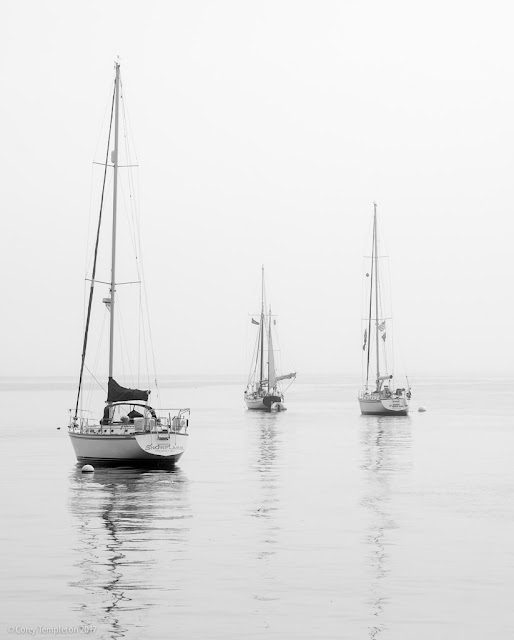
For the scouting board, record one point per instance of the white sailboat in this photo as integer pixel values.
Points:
(130, 431)
(263, 391)
(380, 396)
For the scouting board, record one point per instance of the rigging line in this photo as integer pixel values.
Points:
(104, 117)
(364, 318)
(133, 209)
(377, 338)
(255, 356)
(257, 351)
(243, 367)
(118, 284)
(278, 349)
(148, 324)
(141, 271)
(121, 349)
(372, 274)
(261, 342)
(95, 379)
(263, 323)
(120, 166)
(107, 188)
(130, 224)
(99, 350)
(88, 236)
(84, 347)
(379, 313)
(151, 342)
(135, 228)
(385, 304)
(389, 332)
(390, 309)
(132, 234)
(125, 345)
(133, 225)
(147, 363)
(139, 340)
(127, 118)
(252, 374)
(145, 351)
(101, 130)
(129, 137)
(146, 319)
(149, 329)
(137, 231)
(287, 388)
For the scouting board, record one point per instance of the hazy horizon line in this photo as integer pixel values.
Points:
(306, 374)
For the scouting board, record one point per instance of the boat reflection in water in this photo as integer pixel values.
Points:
(132, 531)
(386, 443)
(266, 443)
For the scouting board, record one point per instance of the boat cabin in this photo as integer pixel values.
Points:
(127, 418)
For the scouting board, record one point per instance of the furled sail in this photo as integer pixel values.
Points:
(117, 393)
(272, 376)
(286, 376)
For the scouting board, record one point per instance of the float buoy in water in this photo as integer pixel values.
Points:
(421, 409)
(87, 468)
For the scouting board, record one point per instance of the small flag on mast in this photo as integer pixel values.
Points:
(254, 321)
(382, 325)
(384, 336)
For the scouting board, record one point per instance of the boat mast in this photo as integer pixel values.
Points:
(114, 208)
(93, 273)
(270, 347)
(262, 327)
(370, 311)
(376, 291)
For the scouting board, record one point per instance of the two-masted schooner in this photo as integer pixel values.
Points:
(128, 430)
(263, 391)
(380, 396)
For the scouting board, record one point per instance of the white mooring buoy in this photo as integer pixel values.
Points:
(421, 409)
(87, 468)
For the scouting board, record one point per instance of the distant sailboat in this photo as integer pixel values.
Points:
(130, 431)
(263, 391)
(379, 397)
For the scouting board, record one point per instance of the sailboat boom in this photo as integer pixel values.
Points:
(287, 376)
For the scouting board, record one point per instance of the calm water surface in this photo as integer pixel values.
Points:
(315, 523)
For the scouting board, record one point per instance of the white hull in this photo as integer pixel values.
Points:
(256, 404)
(384, 406)
(262, 403)
(129, 449)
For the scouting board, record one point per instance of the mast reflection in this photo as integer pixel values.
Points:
(385, 443)
(266, 442)
(130, 523)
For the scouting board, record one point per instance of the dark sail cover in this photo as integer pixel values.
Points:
(269, 400)
(117, 393)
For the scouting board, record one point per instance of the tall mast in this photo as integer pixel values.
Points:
(376, 290)
(370, 310)
(114, 207)
(262, 326)
(269, 347)
(93, 273)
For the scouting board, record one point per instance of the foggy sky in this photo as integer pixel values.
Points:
(264, 133)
